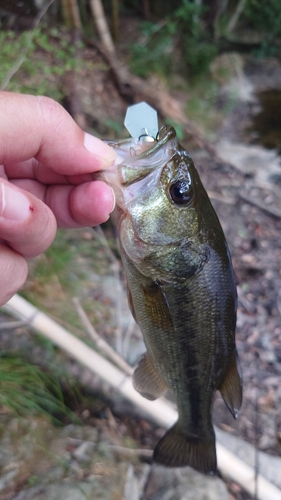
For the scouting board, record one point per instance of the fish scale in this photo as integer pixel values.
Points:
(181, 291)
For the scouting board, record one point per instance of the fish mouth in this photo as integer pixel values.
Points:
(148, 159)
(138, 163)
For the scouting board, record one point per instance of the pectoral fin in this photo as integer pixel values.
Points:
(131, 305)
(146, 379)
(157, 308)
(231, 386)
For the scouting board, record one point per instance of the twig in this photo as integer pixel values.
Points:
(14, 69)
(116, 271)
(121, 449)
(102, 238)
(11, 325)
(131, 451)
(161, 411)
(220, 197)
(101, 343)
(234, 19)
(262, 206)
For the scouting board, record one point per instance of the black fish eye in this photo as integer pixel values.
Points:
(181, 192)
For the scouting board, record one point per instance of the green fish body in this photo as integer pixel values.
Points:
(181, 291)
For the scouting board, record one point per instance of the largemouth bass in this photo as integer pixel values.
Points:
(181, 292)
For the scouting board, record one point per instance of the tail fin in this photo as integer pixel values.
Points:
(177, 450)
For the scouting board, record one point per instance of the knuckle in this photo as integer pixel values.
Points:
(51, 111)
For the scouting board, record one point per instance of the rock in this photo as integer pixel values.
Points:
(134, 486)
(74, 491)
(41, 462)
(183, 484)
(269, 466)
(256, 161)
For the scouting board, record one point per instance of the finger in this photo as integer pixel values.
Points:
(87, 204)
(33, 169)
(26, 223)
(13, 272)
(39, 127)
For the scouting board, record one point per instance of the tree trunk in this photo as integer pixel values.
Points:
(146, 10)
(102, 26)
(71, 14)
(115, 18)
(234, 19)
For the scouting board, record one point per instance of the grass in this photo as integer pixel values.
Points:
(45, 56)
(26, 389)
(65, 270)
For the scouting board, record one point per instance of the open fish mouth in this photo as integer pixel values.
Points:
(139, 164)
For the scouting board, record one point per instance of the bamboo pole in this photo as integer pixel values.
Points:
(160, 411)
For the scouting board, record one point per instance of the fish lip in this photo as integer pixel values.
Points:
(131, 166)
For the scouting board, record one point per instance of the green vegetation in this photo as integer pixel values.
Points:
(178, 43)
(25, 389)
(43, 57)
(265, 17)
(191, 34)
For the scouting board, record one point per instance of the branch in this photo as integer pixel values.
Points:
(234, 19)
(101, 24)
(101, 343)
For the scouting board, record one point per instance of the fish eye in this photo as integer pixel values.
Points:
(181, 192)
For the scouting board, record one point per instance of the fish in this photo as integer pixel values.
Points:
(181, 291)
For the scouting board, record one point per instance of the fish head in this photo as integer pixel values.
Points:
(157, 191)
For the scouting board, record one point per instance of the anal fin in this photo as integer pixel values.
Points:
(231, 386)
(147, 380)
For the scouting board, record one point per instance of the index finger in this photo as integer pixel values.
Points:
(37, 126)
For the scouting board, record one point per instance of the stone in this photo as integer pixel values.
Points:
(183, 484)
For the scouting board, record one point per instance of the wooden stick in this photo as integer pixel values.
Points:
(160, 411)
(11, 325)
(116, 267)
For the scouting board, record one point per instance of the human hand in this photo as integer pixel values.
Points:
(46, 166)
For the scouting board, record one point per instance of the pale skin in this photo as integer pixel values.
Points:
(46, 181)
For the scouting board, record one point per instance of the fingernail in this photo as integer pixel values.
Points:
(113, 200)
(13, 204)
(118, 160)
(104, 153)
